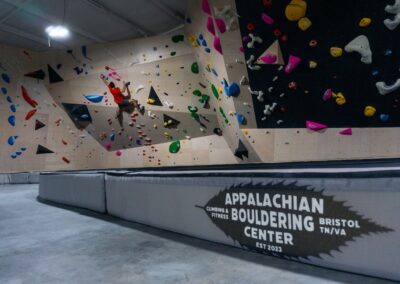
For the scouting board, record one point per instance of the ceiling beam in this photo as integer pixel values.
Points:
(116, 15)
(29, 36)
(50, 18)
(170, 12)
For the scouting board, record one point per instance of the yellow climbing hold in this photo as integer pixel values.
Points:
(245, 131)
(365, 22)
(296, 10)
(312, 64)
(340, 99)
(369, 111)
(336, 51)
(304, 24)
(150, 101)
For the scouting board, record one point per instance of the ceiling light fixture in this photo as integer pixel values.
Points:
(58, 32)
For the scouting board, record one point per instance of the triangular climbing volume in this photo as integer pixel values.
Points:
(241, 151)
(273, 55)
(39, 124)
(153, 98)
(170, 122)
(43, 150)
(53, 75)
(39, 74)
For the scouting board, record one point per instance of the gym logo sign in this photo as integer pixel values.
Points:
(287, 220)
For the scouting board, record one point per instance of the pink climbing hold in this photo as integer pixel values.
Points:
(315, 126)
(267, 19)
(118, 153)
(217, 44)
(221, 25)
(241, 49)
(293, 62)
(108, 146)
(210, 25)
(347, 131)
(269, 58)
(246, 38)
(205, 6)
(327, 95)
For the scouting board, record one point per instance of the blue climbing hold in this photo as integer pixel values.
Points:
(9, 99)
(84, 116)
(4, 91)
(388, 52)
(11, 120)
(11, 140)
(138, 142)
(384, 117)
(112, 136)
(13, 156)
(18, 153)
(13, 108)
(204, 43)
(94, 98)
(233, 90)
(214, 72)
(5, 78)
(375, 72)
(201, 37)
(241, 119)
(23, 149)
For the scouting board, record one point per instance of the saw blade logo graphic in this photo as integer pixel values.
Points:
(287, 220)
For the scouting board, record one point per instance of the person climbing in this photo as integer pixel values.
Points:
(123, 101)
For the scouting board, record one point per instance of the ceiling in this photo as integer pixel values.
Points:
(22, 22)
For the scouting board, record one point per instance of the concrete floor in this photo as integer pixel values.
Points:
(40, 243)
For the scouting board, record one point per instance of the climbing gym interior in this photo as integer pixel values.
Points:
(141, 137)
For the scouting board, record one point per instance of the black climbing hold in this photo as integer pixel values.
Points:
(170, 122)
(39, 124)
(43, 150)
(153, 96)
(218, 131)
(241, 151)
(39, 74)
(53, 75)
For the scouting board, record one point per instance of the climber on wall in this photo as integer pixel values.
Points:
(123, 101)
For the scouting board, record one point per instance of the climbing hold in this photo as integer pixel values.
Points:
(27, 98)
(394, 9)
(205, 7)
(385, 89)
(315, 126)
(178, 38)
(254, 39)
(174, 147)
(384, 117)
(94, 98)
(313, 43)
(217, 44)
(364, 22)
(118, 153)
(39, 74)
(296, 10)
(195, 68)
(220, 23)
(294, 61)
(13, 108)
(210, 25)
(39, 124)
(4, 91)
(369, 111)
(197, 93)
(267, 19)
(139, 88)
(217, 131)
(336, 51)
(312, 64)
(170, 122)
(233, 90)
(5, 78)
(273, 52)
(340, 99)
(153, 98)
(215, 91)
(304, 24)
(11, 120)
(241, 119)
(11, 140)
(66, 160)
(347, 131)
(327, 95)
(43, 150)
(30, 114)
(53, 75)
(360, 45)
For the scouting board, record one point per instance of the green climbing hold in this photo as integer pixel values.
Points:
(195, 115)
(215, 91)
(174, 147)
(197, 93)
(178, 38)
(223, 115)
(195, 68)
(204, 99)
(173, 53)
(193, 109)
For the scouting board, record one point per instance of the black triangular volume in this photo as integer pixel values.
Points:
(39, 124)
(78, 112)
(39, 74)
(153, 96)
(170, 122)
(241, 151)
(53, 75)
(43, 150)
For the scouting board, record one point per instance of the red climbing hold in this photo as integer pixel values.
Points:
(30, 114)
(27, 98)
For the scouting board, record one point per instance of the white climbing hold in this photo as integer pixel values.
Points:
(169, 104)
(392, 24)
(259, 94)
(250, 64)
(139, 88)
(254, 39)
(361, 45)
(269, 109)
(385, 89)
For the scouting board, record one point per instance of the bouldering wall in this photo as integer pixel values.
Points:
(65, 117)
